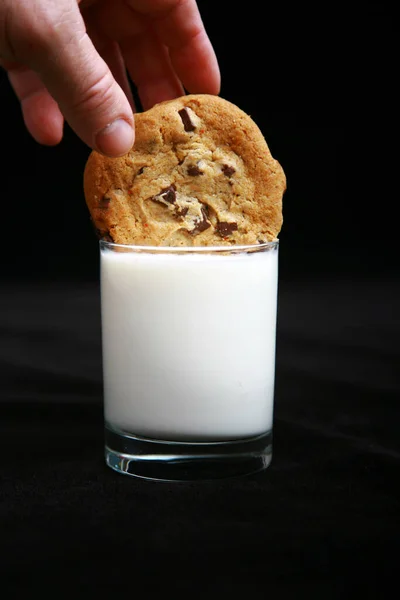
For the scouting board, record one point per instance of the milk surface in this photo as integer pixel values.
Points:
(189, 343)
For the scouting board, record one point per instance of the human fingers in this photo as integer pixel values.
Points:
(40, 111)
(150, 68)
(145, 57)
(110, 52)
(51, 39)
(179, 26)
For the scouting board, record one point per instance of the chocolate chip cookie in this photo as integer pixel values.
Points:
(199, 174)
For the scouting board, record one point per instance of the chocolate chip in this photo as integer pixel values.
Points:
(166, 195)
(194, 170)
(104, 202)
(181, 212)
(202, 224)
(187, 123)
(228, 170)
(169, 194)
(224, 228)
(140, 170)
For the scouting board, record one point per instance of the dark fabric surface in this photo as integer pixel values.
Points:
(323, 519)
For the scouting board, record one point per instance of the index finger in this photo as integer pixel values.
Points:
(179, 26)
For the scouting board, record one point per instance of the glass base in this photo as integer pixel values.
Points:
(186, 461)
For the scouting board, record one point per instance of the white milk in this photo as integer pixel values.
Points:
(189, 343)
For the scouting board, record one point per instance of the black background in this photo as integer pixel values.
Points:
(324, 518)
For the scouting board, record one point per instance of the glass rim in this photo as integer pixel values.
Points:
(105, 244)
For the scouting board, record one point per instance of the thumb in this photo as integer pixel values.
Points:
(90, 99)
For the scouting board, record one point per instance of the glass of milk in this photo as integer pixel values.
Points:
(188, 338)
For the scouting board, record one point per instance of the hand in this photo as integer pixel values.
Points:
(69, 58)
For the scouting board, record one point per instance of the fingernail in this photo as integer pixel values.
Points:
(116, 139)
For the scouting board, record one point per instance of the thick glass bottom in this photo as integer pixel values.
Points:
(186, 461)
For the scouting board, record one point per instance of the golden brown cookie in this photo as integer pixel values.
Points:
(199, 174)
